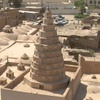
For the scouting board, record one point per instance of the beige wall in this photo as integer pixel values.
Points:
(17, 80)
(9, 17)
(93, 2)
(12, 16)
(90, 67)
(73, 86)
(17, 95)
(2, 22)
(2, 68)
(65, 11)
(85, 42)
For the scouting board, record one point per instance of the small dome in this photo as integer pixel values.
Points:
(7, 29)
(26, 45)
(9, 71)
(25, 56)
(10, 74)
(20, 64)
(7, 26)
(94, 77)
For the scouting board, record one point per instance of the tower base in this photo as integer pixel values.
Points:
(46, 86)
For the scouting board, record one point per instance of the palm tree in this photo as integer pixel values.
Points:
(81, 5)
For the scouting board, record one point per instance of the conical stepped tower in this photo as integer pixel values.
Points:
(47, 70)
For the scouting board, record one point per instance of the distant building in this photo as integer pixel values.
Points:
(93, 2)
(9, 17)
(56, 6)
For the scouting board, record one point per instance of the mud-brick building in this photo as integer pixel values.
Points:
(82, 38)
(9, 17)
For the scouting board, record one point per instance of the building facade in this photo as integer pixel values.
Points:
(56, 6)
(93, 2)
(9, 17)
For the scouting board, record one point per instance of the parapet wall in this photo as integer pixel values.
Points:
(3, 22)
(89, 67)
(2, 68)
(17, 95)
(73, 86)
(13, 83)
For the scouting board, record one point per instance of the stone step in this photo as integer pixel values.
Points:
(47, 60)
(47, 54)
(42, 40)
(48, 66)
(44, 48)
(47, 78)
(47, 72)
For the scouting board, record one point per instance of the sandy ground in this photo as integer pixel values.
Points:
(89, 88)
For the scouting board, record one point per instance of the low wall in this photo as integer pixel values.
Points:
(94, 10)
(71, 68)
(2, 68)
(7, 94)
(17, 80)
(65, 11)
(90, 67)
(3, 22)
(73, 86)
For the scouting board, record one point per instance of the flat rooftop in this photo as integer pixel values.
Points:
(23, 87)
(77, 32)
(16, 73)
(89, 88)
(17, 50)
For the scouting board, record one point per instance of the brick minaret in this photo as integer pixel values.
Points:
(47, 69)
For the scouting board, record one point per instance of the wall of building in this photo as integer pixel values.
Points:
(90, 67)
(61, 8)
(12, 16)
(57, 6)
(84, 42)
(17, 80)
(3, 22)
(9, 17)
(7, 94)
(71, 68)
(2, 68)
(93, 2)
(73, 86)
(64, 11)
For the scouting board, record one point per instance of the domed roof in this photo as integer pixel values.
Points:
(9, 71)
(7, 29)
(20, 64)
(25, 56)
(7, 26)
(26, 45)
